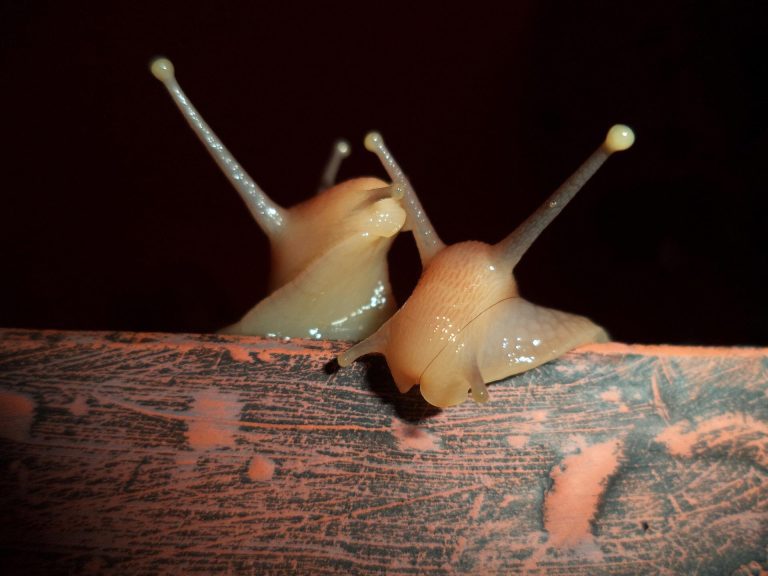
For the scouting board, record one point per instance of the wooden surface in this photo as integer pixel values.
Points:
(149, 453)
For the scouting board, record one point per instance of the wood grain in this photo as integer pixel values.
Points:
(135, 453)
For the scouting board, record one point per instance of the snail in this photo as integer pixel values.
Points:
(329, 276)
(465, 324)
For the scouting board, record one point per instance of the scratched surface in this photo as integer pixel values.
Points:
(151, 453)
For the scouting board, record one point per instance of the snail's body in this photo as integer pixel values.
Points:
(465, 323)
(454, 288)
(314, 227)
(328, 274)
(337, 288)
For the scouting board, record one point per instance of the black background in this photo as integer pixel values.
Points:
(114, 217)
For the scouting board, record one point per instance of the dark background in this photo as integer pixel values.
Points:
(114, 217)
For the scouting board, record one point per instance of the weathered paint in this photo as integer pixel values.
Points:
(145, 453)
(261, 469)
(579, 483)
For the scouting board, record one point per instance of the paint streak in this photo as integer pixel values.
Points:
(658, 402)
(664, 351)
(17, 412)
(507, 500)
(239, 353)
(725, 430)
(751, 569)
(261, 469)
(412, 437)
(611, 395)
(538, 415)
(579, 482)
(210, 425)
(477, 506)
(516, 441)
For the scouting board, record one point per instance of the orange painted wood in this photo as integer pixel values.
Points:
(125, 453)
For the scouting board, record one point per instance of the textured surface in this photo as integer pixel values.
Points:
(143, 453)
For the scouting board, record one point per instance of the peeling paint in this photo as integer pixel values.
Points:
(261, 468)
(211, 416)
(579, 482)
(684, 439)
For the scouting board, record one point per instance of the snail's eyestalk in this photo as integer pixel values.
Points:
(427, 240)
(267, 214)
(341, 150)
(514, 246)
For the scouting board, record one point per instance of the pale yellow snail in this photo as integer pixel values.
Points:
(329, 276)
(465, 324)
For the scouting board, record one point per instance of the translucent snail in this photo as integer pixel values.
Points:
(329, 276)
(466, 324)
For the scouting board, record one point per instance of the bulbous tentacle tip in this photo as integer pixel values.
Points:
(480, 392)
(343, 360)
(373, 141)
(343, 149)
(348, 357)
(619, 137)
(162, 69)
